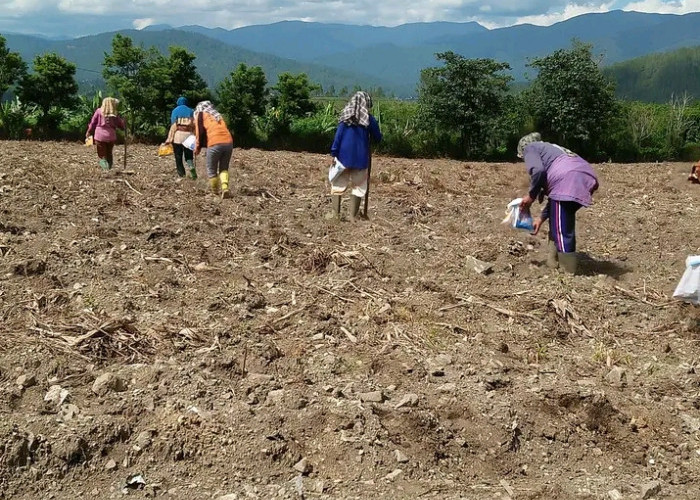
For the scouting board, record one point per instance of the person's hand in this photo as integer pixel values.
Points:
(536, 227)
(527, 201)
(197, 151)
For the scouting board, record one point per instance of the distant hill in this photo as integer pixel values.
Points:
(390, 57)
(215, 60)
(305, 41)
(657, 77)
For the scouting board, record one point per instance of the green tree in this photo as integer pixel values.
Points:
(291, 96)
(150, 82)
(571, 100)
(242, 97)
(465, 96)
(12, 67)
(52, 87)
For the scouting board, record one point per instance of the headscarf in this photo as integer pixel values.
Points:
(527, 140)
(356, 111)
(181, 111)
(207, 107)
(109, 106)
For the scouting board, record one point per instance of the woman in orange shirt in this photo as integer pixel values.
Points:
(212, 133)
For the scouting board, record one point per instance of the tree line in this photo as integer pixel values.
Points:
(466, 108)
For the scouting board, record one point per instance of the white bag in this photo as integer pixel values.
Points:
(516, 218)
(335, 170)
(190, 142)
(689, 287)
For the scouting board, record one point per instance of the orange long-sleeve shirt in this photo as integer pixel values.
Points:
(216, 132)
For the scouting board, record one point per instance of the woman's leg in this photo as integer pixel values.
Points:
(178, 151)
(189, 159)
(562, 226)
(102, 154)
(110, 154)
(224, 161)
(213, 168)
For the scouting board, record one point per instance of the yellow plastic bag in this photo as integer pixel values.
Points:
(165, 149)
(89, 141)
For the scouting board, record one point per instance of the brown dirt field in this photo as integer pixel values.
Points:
(234, 338)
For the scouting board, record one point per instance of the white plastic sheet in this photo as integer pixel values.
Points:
(688, 289)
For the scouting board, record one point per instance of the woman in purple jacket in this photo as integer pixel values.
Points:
(351, 149)
(103, 127)
(569, 182)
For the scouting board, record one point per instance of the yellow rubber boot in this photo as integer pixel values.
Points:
(214, 185)
(223, 176)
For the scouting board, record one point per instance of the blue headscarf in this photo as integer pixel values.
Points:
(181, 111)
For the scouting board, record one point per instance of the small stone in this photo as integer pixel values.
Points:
(68, 412)
(393, 475)
(617, 376)
(26, 381)
(143, 440)
(400, 457)
(56, 395)
(408, 400)
(436, 366)
(650, 490)
(318, 336)
(275, 396)
(479, 266)
(303, 467)
(108, 382)
(111, 465)
(372, 397)
(448, 387)
(692, 423)
(614, 495)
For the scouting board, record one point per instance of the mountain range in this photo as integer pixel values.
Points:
(341, 55)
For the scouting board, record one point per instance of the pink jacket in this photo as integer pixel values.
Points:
(104, 129)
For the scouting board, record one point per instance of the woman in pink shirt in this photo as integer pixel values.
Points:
(103, 127)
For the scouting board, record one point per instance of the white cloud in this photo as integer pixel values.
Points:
(78, 17)
(139, 24)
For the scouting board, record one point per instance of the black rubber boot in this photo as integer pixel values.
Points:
(355, 207)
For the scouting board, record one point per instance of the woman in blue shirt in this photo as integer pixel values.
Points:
(351, 148)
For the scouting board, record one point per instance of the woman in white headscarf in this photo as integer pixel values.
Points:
(351, 149)
(212, 133)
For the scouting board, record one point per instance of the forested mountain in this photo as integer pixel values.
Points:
(658, 77)
(215, 60)
(391, 57)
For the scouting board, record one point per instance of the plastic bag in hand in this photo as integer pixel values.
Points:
(518, 218)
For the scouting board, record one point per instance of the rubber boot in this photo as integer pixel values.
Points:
(335, 210)
(223, 176)
(104, 164)
(193, 171)
(214, 185)
(568, 261)
(355, 207)
(552, 255)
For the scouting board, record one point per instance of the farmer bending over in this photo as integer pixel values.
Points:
(181, 127)
(351, 148)
(569, 182)
(213, 134)
(103, 126)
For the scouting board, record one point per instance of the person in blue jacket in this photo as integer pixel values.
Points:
(181, 127)
(351, 149)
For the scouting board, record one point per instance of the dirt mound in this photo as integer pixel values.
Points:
(158, 341)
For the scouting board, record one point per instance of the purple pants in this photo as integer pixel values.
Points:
(562, 224)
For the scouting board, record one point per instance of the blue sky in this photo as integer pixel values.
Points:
(84, 17)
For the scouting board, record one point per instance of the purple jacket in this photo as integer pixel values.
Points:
(104, 129)
(559, 174)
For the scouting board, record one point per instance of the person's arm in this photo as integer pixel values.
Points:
(374, 131)
(171, 133)
(538, 175)
(337, 140)
(543, 217)
(93, 123)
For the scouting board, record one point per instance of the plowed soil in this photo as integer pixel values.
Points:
(159, 341)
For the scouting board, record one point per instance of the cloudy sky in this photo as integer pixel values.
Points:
(83, 17)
